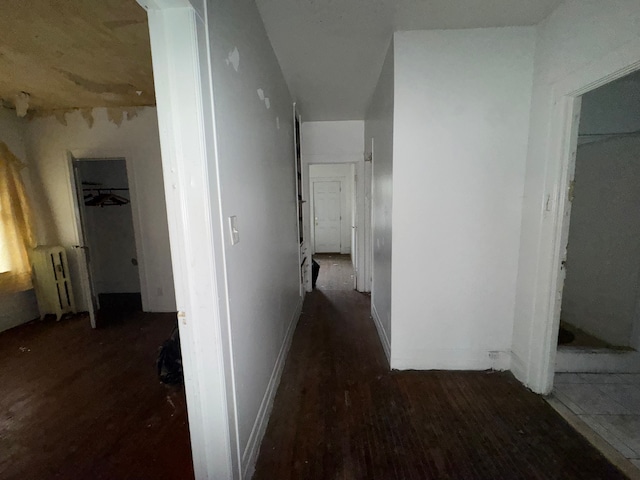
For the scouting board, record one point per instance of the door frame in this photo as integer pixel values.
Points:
(81, 255)
(180, 54)
(560, 153)
(79, 237)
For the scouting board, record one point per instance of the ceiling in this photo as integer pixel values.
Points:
(95, 53)
(75, 54)
(331, 51)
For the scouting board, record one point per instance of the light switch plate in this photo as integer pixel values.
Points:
(233, 230)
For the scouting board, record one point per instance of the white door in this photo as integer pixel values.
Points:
(82, 249)
(326, 205)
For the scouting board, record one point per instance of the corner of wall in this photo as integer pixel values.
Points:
(382, 334)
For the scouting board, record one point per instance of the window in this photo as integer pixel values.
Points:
(16, 232)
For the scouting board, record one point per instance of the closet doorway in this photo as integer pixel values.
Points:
(107, 251)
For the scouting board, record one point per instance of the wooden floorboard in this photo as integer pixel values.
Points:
(78, 403)
(340, 413)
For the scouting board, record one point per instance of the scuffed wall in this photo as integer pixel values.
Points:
(256, 172)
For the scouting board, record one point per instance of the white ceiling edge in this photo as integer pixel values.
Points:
(331, 53)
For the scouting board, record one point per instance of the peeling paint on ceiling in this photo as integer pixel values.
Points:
(75, 54)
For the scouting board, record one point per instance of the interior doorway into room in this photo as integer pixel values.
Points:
(600, 304)
(333, 212)
(106, 250)
(597, 362)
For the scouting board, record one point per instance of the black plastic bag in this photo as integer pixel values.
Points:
(169, 361)
(315, 271)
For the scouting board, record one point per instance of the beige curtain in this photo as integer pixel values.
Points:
(16, 233)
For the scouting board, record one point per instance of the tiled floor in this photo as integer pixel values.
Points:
(609, 403)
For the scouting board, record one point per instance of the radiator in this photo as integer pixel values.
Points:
(51, 281)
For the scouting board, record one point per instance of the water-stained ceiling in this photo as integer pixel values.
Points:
(75, 54)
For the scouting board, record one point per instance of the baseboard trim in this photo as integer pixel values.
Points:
(382, 334)
(518, 368)
(252, 449)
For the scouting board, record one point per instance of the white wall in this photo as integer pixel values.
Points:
(460, 138)
(21, 307)
(612, 108)
(343, 174)
(254, 131)
(379, 137)
(603, 260)
(48, 142)
(109, 230)
(582, 42)
(332, 142)
(341, 142)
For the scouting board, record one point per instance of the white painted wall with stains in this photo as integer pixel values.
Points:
(459, 149)
(255, 161)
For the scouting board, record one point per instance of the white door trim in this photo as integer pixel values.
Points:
(182, 75)
(85, 282)
(554, 225)
(88, 154)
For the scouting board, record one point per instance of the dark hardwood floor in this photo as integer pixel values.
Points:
(339, 412)
(77, 403)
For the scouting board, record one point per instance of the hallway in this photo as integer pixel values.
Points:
(341, 414)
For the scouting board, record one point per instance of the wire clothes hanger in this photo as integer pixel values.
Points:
(104, 197)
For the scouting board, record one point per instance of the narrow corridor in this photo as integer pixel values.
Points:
(340, 413)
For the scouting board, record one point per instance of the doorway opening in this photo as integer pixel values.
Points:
(600, 307)
(597, 363)
(333, 217)
(107, 238)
